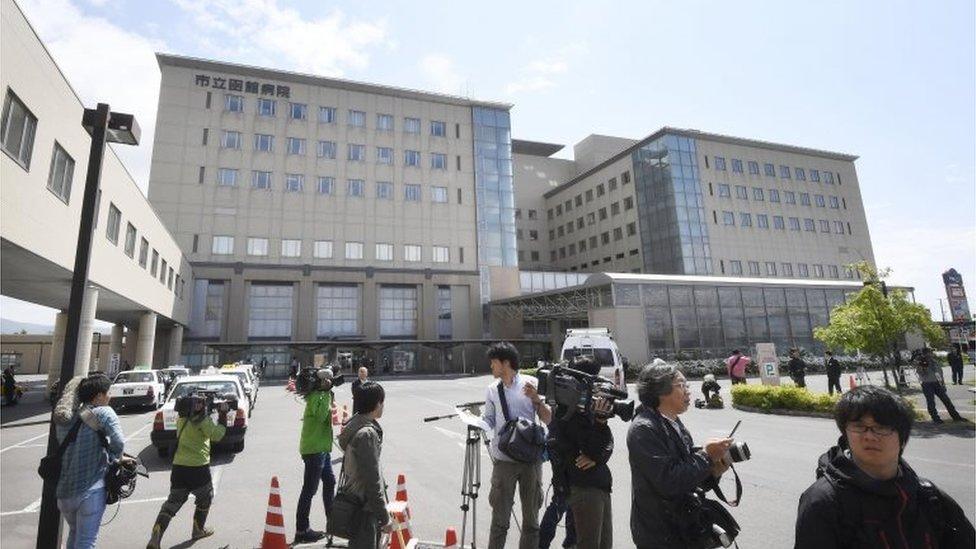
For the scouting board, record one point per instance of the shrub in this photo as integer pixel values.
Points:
(785, 397)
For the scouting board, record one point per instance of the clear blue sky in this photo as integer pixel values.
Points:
(892, 82)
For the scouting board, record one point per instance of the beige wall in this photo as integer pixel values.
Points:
(594, 149)
(534, 176)
(627, 325)
(35, 352)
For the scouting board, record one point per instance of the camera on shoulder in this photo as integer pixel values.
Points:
(575, 391)
(317, 379)
(203, 401)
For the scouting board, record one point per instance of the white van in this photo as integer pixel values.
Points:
(599, 344)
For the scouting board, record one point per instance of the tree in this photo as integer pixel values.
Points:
(874, 323)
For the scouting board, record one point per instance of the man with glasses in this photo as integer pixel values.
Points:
(866, 495)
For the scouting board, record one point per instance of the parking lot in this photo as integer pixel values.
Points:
(785, 450)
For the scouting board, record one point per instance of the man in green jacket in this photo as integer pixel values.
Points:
(191, 470)
(315, 447)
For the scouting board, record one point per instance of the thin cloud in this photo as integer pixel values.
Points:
(440, 73)
(542, 74)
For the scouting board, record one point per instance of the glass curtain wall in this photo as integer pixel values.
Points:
(495, 196)
(270, 311)
(337, 310)
(206, 317)
(398, 312)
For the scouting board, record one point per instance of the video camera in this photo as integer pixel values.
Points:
(317, 379)
(207, 400)
(576, 390)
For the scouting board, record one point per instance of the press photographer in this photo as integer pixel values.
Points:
(669, 474)
(195, 430)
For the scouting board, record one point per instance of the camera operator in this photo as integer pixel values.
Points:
(933, 385)
(191, 469)
(866, 495)
(581, 447)
(665, 466)
(315, 447)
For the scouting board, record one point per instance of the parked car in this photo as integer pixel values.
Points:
(248, 380)
(163, 434)
(141, 387)
(172, 373)
(597, 343)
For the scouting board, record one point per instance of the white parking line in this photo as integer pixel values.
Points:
(21, 444)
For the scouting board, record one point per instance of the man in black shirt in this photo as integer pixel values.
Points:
(358, 383)
(798, 368)
(833, 372)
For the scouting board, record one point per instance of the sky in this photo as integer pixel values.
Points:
(893, 82)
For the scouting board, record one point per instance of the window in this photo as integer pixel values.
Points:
(787, 269)
(534, 255)
(438, 195)
(753, 167)
(589, 195)
(354, 250)
(602, 213)
(384, 122)
(741, 192)
(809, 226)
(62, 170)
(326, 185)
(143, 252)
(296, 146)
(720, 163)
(411, 158)
(728, 218)
(269, 310)
(222, 245)
(533, 234)
(834, 203)
(592, 242)
(327, 149)
(736, 266)
(338, 307)
(294, 182)
(398, 306)
(629, 203)
(824, 226)
(801, 175)
(357, 119)
(231, 140)
(411, 192)
(263, 142)
(533, 214)
(552, 234)
(438, 161)
(384, 155)
(411, 252)
(601, 190)
(437, 128)
(17, 131)
(590, 218)
(804, 199)
(839, 227)
(578, 200)
(356, 153)
(257, 246)
(384, 190)
(384, 252)
(605, 237)
(754, 268)
(327, 115)
(625, 178)
(769, 170)
(818, 271)
(568, 205)
(615, 208)
(789, 197)
(736, 165)
(618, 234)
(155, 261)
(114, 220)
(261, 180)
(773, 195)
(441, 254)
(297, 111)
(266, 107)
(815, 176)
(411, 125)
(612, 184)
(631, 229)
(828, 178)
(201, 176)
(162, 272)
(819, 200)
(794, 223)
(745, 219)
(770, 268)
(130, 240)
(322, 249)
(778, 222)
(757, 194)
(234, 103)
(762, 221)
(784, 172)
(227, 177)
(355, 187)
(834, 271)
(724, 190)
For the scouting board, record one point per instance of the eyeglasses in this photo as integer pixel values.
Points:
(879, 430)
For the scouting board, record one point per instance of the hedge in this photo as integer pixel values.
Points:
(784, 397)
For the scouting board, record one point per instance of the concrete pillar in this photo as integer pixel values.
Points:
(147, 339)
(57, 348)
(115, 350)
(85, 329)
(175, 345)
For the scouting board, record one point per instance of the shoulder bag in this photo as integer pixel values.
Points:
(346, 518)
(520, 439)
(50, 466)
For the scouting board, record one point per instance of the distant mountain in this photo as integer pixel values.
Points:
(8, 326)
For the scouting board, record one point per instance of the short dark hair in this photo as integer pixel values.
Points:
(885, 407)
(794, 350)
(736, 352)
(829, 352)
(369, 396)
(92, 386)
(503, 351)
(655, 381)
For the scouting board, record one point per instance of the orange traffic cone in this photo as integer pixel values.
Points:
(450, 539)
(401, 492)
(851, 382)
(274, 524)
(400, 537)
(291, 386)
(336, 426)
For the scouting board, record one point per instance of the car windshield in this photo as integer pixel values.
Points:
(221, 387)
(242, 376)
(135, 377)
(603, 357)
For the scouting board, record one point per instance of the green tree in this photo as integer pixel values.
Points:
(875, 323)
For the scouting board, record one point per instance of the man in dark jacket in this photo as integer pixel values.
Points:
(665, 467)
(798, 368)
(833, 372)
(955, 363)
(866, 496)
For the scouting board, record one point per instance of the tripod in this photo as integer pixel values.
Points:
(470, 484)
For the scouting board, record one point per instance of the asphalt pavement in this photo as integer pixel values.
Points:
(430, 455)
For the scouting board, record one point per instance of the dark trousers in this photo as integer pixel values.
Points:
(318, 468)
(799, 380)
(957, 373)
(550, 519)
(591, 510)
(833, 382)
(506, 477)
(932, 389)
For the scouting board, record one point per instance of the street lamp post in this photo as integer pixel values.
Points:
(104, 126)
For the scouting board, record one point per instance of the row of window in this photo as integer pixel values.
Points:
(324, 249)
(780, 223)
(326, 185)
(771, 268)
(167, 274)
(329, 115)
(588, 196)
(775, 195)
(591, 218)
(769, 170)
(602, 239)
(606, 259)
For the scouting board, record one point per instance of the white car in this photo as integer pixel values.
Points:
(597, 343)
(163, 434)
(137, 388)
(248, 380)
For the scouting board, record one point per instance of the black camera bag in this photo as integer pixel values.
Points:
(50, 466)
(520, 439)
(348, 511)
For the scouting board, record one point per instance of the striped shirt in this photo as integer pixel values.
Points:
(85, 460)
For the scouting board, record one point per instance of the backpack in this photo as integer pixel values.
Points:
(520, 439)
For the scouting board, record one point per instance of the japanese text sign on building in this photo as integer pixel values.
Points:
(956, 294)
(246, 86)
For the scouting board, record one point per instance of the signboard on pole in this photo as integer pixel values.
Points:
(768, 363)
(956, 293)
(114, 362)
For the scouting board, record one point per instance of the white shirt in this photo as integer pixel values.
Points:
(519, 405)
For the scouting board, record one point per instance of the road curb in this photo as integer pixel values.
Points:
(782, 412)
